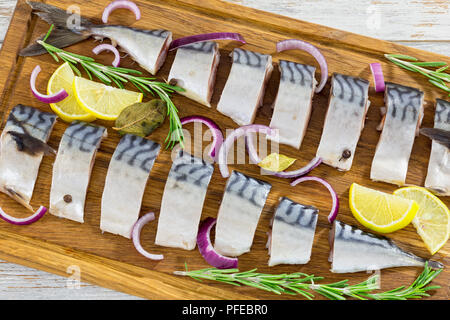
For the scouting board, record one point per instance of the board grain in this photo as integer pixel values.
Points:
(55, 244)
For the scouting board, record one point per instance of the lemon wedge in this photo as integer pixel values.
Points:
(104, 102)
(276, 162)
(379, 211)
(432, 221)
(67, 109)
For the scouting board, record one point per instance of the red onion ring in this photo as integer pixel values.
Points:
(136, 234)
(335, 206)
(292, 44)
(120, 4)
(254, 157)
(378, 77)
(235, 134)
(207, 250)
(215, 130)
(51, 98)
(109, 47)
(23, 221)
(206, 37)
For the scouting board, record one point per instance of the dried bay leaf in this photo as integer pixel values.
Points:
(141, 118)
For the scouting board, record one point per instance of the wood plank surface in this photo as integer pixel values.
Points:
(95, 253)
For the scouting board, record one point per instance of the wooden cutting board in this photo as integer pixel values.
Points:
(56, 245)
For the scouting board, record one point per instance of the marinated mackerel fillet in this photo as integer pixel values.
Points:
(72, 169)
(344, 120)
(353, 250)
(125, 183)
(438, 176)
(182, 202)
(292, 108)
(244, 90)
(403, 116)
(293, 231)
(194, 69)
(147, 47)
(22, 145)
(239, 212)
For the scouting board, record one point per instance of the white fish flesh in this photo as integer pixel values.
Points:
(239, 213)
(182, 202)
(22, 146)
(293, 230)
(404, 114)
(353, 250)
(72, 169)
(344, 121)
(125, 183)
(438, 176)
(194, 69)
(244, 90)
(147, 47)
(292, 107)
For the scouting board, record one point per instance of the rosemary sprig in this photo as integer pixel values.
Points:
(437, 77)
(119, 76)
(301, 283)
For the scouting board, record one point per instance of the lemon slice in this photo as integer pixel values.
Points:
(379, 211)
(432, 221)
(67, 109)
(105, 102)
(276, 162)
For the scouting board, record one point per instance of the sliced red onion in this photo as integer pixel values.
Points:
(120, 4)
(335, 206)
(235, 134)
(109, 47)
(378, 77)
(136, 234)
(215, 130)
(254, 157)
(23, 221)
(206, 37)
(207, 250)
(51, 98)
(292, 44)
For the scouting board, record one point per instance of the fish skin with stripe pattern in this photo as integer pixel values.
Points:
(23, 144)
(239, 213)
(244, 90)
(182, 201)
(344, 122)
(292, 107)
(403, 118)
(194, 69)
(292, 234)
(125, 183)
(72, 169)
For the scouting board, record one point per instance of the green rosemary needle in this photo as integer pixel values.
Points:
(301, 283)
(437, 77)
(119, 76)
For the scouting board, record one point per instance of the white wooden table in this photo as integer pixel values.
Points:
(423, 24)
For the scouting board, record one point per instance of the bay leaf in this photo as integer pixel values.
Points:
(141, 118)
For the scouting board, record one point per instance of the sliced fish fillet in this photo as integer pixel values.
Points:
(182, 202)
(292, 107)
(194, 69)
(22, 146)
(125, 183)
(344, 121)
(403, 116)
(438, 176)
(353, 250)
(239, 213)
(293, 230)
(72, 169)
(244, 90)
